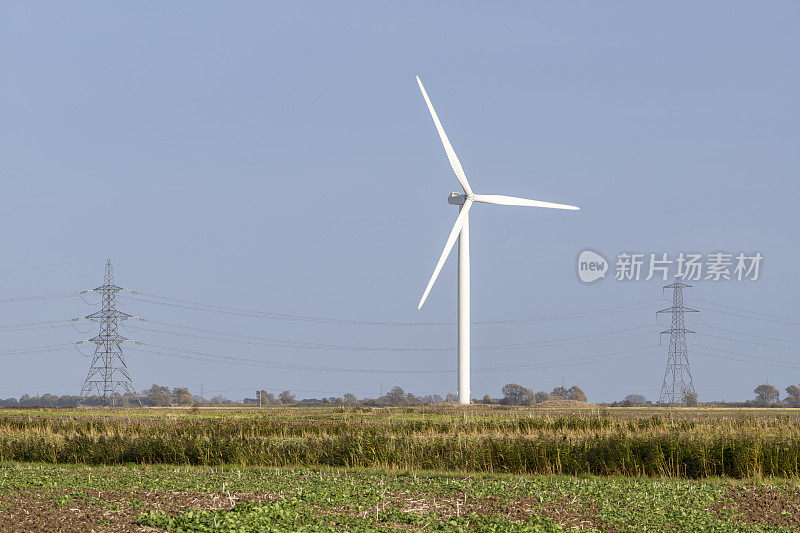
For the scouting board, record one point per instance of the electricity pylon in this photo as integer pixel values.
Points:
(108, 372)
(677, 377)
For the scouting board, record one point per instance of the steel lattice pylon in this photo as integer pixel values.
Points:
(677, 377)
(108, 372)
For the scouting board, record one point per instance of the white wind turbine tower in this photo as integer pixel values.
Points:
(461, 230)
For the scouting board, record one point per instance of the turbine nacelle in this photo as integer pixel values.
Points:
(456, 198)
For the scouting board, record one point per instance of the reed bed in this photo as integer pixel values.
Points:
(679, 443)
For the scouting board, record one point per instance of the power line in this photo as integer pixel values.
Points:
(285, 343)
(731, 339)
(289, 343)
(197, 306)
(38, 325)
(280, 316)
(230, 359)
(42, 296)
(759, 318)
(588, 339)
(740, 354)
(41, 349)
(760, 361)
(704, 325)
(575, 361)
(788, 320)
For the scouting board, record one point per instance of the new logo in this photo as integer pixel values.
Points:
(591, 266)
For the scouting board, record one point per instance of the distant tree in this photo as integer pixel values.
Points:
(559, 393)
(690, 399)
(267, 398)
(92, 401)
(396, 396)
(635, 399)
(67, 400)
(158, 396)
(182, 396)
(793, 395)
(48, 400)
(577, 394)
(132, 399)
(541, 396)
(286, 397)
(350, 398)
(26, 401)
(766, 394)
(514, 394)
(118, 400)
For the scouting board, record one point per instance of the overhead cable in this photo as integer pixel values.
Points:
(790, 320)
(289, 343)
(189, 304)
(41, 349)
(749, 317)
(740, 354)
(230, 359)
(739, 332)
(42, 296)
(780, 364)
(757, 343)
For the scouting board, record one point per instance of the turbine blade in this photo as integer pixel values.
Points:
(511, 200)
(451, 240)
(448, 148)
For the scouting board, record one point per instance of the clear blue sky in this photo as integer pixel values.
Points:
(279, 156)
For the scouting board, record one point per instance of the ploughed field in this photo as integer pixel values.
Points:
(484, 468)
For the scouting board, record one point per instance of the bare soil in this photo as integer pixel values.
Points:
(564, 512)
(772, 506)
(101, 511)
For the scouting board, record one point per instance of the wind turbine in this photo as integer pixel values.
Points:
(461, 231)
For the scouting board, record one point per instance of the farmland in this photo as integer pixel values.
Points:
(432, 468)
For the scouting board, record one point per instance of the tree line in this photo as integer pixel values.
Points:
(162, 396)
(766, 395)
(512, 394)
(395, 397)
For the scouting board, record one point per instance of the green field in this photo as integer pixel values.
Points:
(426, 468)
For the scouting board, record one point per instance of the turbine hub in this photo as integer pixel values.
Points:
(456, 198)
